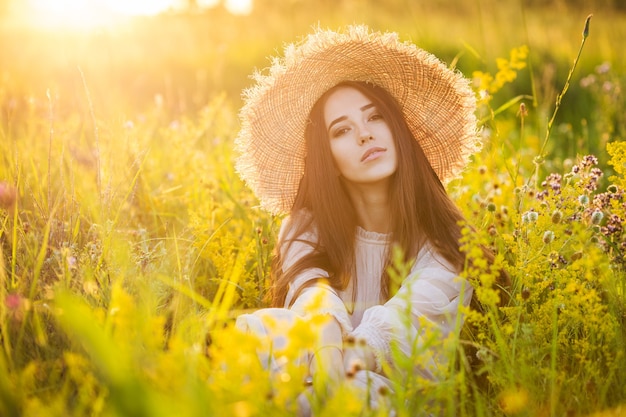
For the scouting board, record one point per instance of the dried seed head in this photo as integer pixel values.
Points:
(548, 237)
(482, 354)
(529, 217)
(586, 29)
(596, 217)
(523, 111)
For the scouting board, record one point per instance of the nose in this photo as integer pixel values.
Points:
(365, 137)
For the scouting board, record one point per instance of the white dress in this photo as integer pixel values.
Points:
(432, 291)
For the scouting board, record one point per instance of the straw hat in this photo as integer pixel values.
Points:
(437, 103)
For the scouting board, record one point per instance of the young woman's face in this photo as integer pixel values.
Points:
(361, 142)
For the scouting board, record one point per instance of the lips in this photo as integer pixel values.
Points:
(372, 153)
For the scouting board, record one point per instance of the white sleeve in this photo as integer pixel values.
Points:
(432, 292)
(319, 297)
(322, 299)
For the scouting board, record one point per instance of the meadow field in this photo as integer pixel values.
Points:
(128, 244)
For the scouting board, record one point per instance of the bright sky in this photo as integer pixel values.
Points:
(89, 13)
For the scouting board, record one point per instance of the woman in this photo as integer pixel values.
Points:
(353, 134)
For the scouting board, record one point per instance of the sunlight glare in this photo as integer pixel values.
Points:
(239, 7)
(92, 13)
(207, 3)
(74, 13)
(140, 7)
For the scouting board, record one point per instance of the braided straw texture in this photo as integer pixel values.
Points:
(437, 103)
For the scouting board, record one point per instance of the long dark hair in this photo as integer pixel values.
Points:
(421, 209)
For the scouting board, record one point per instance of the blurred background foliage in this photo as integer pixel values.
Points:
(186, 56)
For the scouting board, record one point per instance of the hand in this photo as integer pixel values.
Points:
(327, 358)
(328, 361)
(358, 357)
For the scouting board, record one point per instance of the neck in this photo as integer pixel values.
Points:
(371, 203)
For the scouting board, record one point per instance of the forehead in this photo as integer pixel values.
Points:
(343, 99)
(345, 93)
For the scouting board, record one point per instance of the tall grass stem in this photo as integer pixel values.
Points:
(51, 119)
(14, 238)
(96, 134)
(38, 267)
(4, 331)
(529, 62)
(553, 360)
(540, 157)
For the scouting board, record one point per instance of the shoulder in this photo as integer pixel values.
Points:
(432, 270)
(429, 258)
(298, 226)
(297, 238)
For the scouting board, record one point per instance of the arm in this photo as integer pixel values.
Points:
(309, 293)
(431, 294)
(311, 296)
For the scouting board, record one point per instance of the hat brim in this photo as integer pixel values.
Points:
(437, 102)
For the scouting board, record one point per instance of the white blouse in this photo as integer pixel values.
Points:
(432, 291)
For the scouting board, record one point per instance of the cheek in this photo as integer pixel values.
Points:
(384, 131)
(340, 152)
(342, 163)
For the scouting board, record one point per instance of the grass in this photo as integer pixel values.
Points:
(128, 243)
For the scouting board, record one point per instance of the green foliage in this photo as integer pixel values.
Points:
(567, 300)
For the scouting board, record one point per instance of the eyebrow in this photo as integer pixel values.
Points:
(342, 118)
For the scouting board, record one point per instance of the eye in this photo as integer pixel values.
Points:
(340, 132)
(374, 117)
